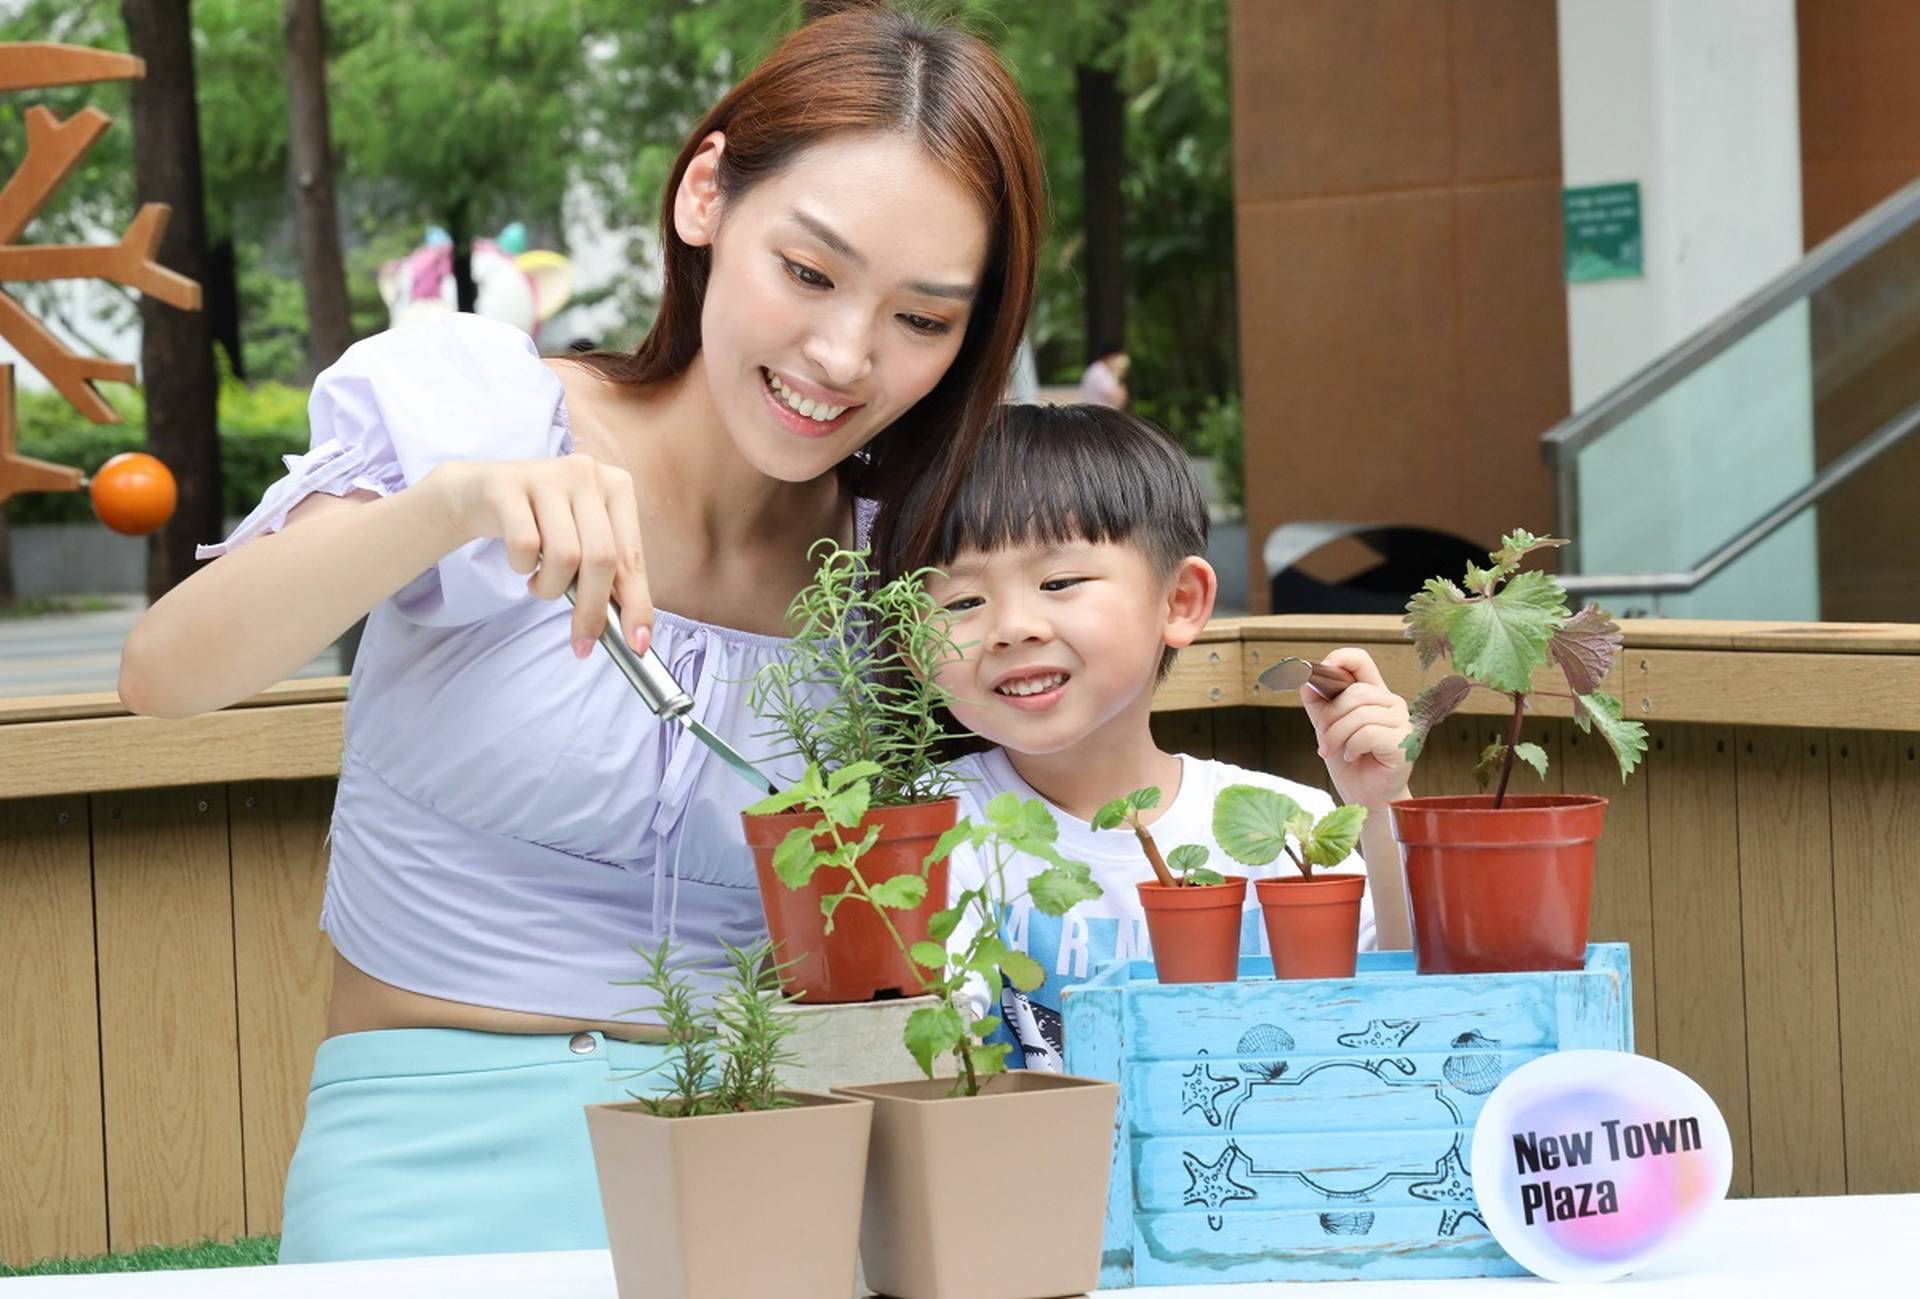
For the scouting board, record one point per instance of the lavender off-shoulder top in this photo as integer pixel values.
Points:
(510, 820)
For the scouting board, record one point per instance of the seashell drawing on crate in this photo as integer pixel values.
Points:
(1262, 1073)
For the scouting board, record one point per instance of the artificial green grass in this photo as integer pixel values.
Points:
(249, 1251)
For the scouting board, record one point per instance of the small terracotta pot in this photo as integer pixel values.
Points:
(1195, 929)
(953, 1207)
(682, 1195)
(1313, 925)
(858, 961)
(1499, 889)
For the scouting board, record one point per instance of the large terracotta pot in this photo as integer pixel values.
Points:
(707, 1208)
(858, 961)
(1313, 925)
(1195, 929)
(997, 1196)
(1493, 889)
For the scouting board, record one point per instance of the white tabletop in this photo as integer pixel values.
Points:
(1747, 1249)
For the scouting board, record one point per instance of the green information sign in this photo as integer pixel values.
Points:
(1603, 232)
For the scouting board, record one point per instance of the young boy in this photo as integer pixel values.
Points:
(1072, 572)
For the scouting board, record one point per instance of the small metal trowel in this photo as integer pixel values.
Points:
(1292, 673)
(649, 677)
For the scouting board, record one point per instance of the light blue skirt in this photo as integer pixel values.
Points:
(442, 1141)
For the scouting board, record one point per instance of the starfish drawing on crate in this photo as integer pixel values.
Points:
(1201, 1089)
(1450, 1220)
(1381, 1032)
(1212, 1184)
(1450, 1180)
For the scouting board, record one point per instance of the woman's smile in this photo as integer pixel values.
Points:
(800, 413)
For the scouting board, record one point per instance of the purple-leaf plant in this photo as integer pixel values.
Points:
(1497, 633)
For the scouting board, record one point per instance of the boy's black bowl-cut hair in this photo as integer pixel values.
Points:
(1052, 475)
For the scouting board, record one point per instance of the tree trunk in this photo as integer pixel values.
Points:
(222, 298)
(176, 348)
(1103, 127)
(464, 292)
(316, 216)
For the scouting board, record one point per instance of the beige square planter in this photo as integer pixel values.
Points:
(951, 1181)
(731, 1205)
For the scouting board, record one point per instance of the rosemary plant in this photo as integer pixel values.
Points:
(857, 683)
(739, 1031)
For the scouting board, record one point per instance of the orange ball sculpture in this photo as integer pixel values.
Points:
(133, 493)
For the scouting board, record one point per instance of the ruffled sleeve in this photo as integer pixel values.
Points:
(394, 406)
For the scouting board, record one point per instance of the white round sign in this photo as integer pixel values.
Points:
(1589, 1164)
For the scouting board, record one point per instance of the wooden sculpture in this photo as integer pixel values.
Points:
(54, 147)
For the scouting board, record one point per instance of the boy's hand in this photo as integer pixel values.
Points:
(1360, 731)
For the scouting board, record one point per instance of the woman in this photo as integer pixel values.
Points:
(850, 238)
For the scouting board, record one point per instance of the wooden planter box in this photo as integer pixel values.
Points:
(1316, 1129)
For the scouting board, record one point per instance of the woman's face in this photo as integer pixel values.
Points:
(839, 294)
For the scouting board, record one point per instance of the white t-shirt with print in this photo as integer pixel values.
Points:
(1073, 947)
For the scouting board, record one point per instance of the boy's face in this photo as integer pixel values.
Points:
(1058, 642)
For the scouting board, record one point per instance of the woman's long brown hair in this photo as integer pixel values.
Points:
(867, 68)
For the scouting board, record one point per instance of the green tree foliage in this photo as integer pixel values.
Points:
(496, 105)
(460, 106)
(657, 71)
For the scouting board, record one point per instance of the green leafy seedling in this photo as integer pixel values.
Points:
(1011, 827)
(1184, 866)
(1254, 825)
(1497, 633)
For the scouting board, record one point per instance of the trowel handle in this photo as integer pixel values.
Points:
(1330, 680)
(647, 673)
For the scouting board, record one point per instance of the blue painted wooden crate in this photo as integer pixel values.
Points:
(1316, 1129)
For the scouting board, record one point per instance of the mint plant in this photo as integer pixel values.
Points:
(1184, 866)
(1496, 634)
(740, 1030)
(1011, 827)
(1254, 825)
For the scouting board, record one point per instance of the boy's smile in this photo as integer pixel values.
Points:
(1032, 689)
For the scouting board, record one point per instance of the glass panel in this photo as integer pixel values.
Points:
(1659, 492)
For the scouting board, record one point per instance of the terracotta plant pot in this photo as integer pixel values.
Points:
(1313, 924)
(688, 1217)
(1499, 889)
(1195, 929)
(858, 961)
(951, 1207)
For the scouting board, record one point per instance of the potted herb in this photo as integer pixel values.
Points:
(1503, 881)
(944, 1148)
(1193, 913)
(1313, 922)
(670, 1165)
(855, 692)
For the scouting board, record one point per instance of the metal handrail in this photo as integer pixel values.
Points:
(1843, 467)
(1819, 268)
(1560, 445)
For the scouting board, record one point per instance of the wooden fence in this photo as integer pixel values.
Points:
(160, 883)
